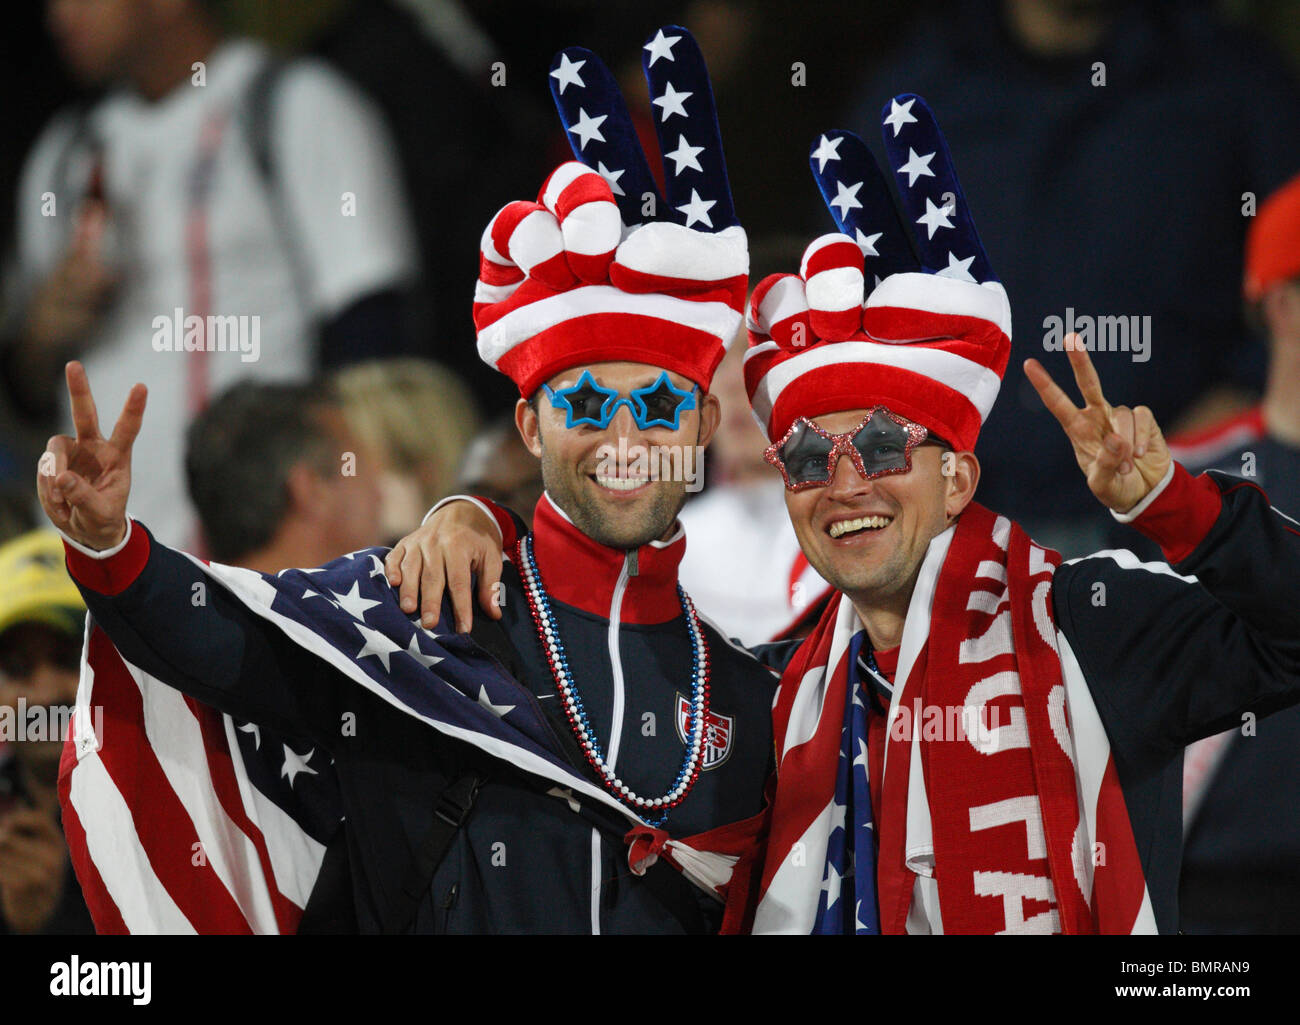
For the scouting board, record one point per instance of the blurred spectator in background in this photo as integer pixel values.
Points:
(279, 479)
(743, 566)
(469, 126)
(42, 619)
(498, 466)
(415, 418)
(16, 511)
(1109, 147)
(1242, 832)
(1262, 443)
(208, 181)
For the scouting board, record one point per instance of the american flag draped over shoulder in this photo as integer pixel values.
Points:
(181, 819)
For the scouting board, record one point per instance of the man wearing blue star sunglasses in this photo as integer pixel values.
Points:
(657, 405)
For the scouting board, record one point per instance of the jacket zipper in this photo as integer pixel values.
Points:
(448, 902)
(616, 718)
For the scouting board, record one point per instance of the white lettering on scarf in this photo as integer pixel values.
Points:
(1013, 887)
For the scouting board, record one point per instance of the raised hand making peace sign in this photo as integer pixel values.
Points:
(1120, 450)
(83, 482)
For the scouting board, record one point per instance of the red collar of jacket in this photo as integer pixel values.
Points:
(583, 573)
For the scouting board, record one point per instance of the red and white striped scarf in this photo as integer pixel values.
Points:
(1019, 827)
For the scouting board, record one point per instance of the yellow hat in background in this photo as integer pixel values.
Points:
(35, 586)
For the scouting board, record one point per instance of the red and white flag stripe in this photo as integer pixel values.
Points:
(167, 835)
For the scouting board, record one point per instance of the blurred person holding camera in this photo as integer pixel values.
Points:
(41, 622)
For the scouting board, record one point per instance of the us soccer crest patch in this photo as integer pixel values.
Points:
(717, 733)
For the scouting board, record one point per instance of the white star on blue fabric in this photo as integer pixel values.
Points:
(256, 731)
(867, 243)
(684, 156)
(831, 885)
(413, 649)
(376, 644)
(567, 73)
(611, 176)
(935, 217)
(500, 711)
(588, 128)
(698, 210)
(826, 150)
(959, 269)
(294, 764)
(899, 115)
(661, 46)
(861, 759)
(309, 593)
(354, 603)
(917, 166)
(379, 570)
(846, 198)
(671, 102)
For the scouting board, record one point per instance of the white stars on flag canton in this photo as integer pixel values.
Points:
(827, 149)
(661, 46)
(831, 884)
(684, 156)
(256, 731)
(414, 650)
(697, 210)
(867, 243)
(567, 73)
(846, 199)
(899, 115)
(916, 166)
(500, 711)
(935, 217)
(611, 177)
(376, 644)
(295, 763)
(353, 603)
(377, 568)
(671, 102)
(588, 128)
(959, 269)
(309, 593)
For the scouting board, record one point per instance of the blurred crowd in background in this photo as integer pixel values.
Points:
(317, 175)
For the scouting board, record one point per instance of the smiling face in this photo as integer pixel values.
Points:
(621, 485)
(867, 538)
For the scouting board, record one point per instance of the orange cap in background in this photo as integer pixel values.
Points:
(1273, 241)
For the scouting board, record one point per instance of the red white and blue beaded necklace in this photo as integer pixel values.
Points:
(539, 604)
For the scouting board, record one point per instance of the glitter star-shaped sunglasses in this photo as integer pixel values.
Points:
(882, 443)
(656, 405)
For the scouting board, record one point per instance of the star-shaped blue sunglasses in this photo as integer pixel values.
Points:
(656, 405)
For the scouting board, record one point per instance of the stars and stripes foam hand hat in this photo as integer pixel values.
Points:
(603, 266)
(932, 338)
